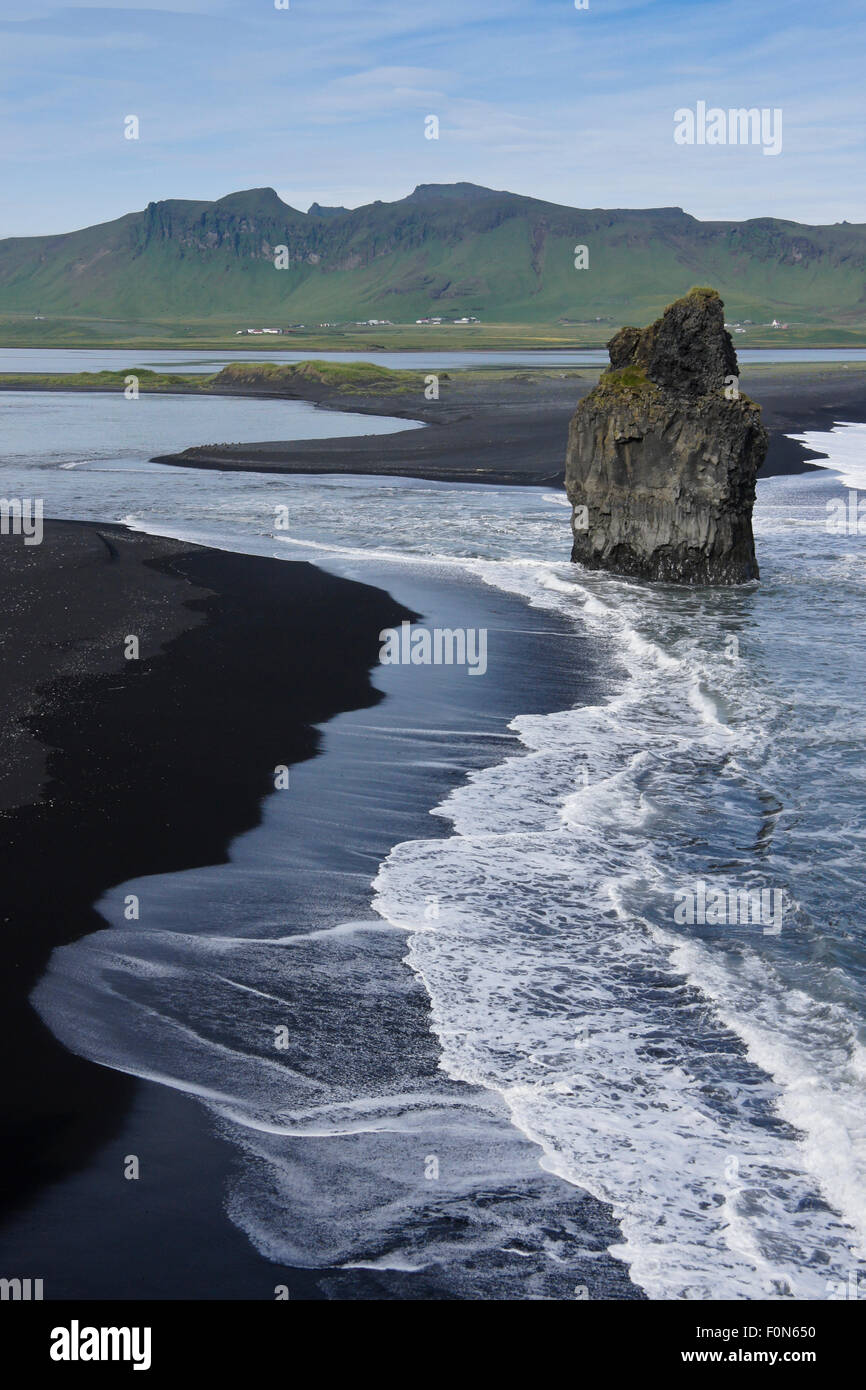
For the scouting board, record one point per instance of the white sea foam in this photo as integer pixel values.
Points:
(844, 448)
(653, 1071)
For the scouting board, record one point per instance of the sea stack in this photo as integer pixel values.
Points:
(664, 452)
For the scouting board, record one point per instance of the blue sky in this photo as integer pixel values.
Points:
(327, 100)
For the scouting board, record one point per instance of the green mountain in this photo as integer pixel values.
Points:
(448, 249)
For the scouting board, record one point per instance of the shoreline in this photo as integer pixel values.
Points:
(491, 433)
(505, 427)
(105, 1124)
(121, 768)
(418, 753)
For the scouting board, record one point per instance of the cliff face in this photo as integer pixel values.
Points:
(454, 249)
(663, 454)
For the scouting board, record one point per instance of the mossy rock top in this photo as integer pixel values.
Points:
(688, 350)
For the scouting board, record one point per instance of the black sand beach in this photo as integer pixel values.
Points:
(153, 767)
(511, 428)
(117, 768)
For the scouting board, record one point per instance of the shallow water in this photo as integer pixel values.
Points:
(68, 429)
(184, 360)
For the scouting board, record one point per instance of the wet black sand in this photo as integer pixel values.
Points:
(116, 768)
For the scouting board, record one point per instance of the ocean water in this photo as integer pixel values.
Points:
(68, 429)
(705, 1081)
(184, 360)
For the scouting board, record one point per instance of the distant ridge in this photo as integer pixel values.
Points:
(316, 210)
(449, 250)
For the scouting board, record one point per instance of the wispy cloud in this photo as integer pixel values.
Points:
(327, 101)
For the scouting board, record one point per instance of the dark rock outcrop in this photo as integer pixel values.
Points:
(663, 454)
